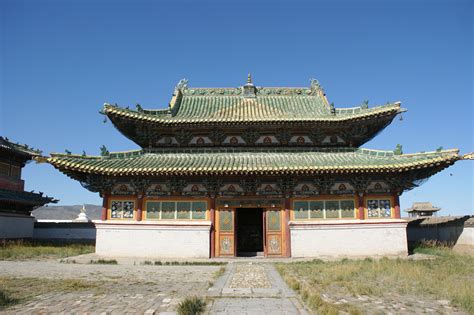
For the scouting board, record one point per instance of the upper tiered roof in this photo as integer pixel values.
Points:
(233, 110)
(265, 108)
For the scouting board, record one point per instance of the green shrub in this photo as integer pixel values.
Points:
(191, 306)
(6, 300)
(104, 262)
(190, 263)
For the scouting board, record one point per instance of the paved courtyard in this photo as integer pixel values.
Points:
(244, 288)
(121, 288)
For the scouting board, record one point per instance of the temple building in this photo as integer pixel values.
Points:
(251, 170)
(15, 203)
(422, 210)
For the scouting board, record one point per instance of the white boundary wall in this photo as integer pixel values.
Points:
(174, 239)
(67, 230)
(14, 226)
(348, 238)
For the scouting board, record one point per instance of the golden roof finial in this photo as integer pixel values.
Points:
(249, 79)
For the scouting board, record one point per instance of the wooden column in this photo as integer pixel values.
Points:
(360, 205)
(287, 227)
(105, 202)
(212, 213)
(139, 206)
(396, 205)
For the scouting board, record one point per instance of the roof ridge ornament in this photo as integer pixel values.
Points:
(182, 84)
(249, 90)
(315, 85)
(468, 156)
(398, 149)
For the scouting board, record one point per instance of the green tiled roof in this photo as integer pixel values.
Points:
(24, 149)
(226, 109)
(228, 105)
(250, 161)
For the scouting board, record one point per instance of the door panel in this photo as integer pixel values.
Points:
(273, 232)
(226, 232)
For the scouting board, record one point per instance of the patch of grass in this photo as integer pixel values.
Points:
(24, 250)
(6, 300)
(433, 248)
(219, 272)
(18, 290)
(449, 276)
(191, 306)
(103, 262)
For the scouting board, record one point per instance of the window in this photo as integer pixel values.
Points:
(324, 209)
(176, 210)
(4, 169)
(199, 210)
(184, 210)
(379, 208)
(122, 209)
(16, 171)
(153, 210)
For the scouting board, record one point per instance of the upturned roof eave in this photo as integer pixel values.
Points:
(112, 111)
(69, 163)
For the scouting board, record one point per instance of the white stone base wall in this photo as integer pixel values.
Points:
(16, 226)
(355, 238)
(144, 239)
(467, 236)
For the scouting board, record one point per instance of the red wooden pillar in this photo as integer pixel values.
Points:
(396, 206)
(139, 207)
(105, 202)
(360, 206)
(213, 227)
(287, 227)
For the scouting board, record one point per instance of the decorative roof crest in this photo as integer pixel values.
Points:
(249, 90)
(468, 156)
(314, 84)
(398, 149)
(182, 84)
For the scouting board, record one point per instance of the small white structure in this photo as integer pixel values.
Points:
(82, 217)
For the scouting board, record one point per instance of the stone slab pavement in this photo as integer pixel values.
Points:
(253, 288)
(132, 289)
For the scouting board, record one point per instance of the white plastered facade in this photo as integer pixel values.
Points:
(173, 239)
(344, 238)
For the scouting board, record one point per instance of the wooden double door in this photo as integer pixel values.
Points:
(250, 232)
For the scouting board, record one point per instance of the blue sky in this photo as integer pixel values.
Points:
(61, 60)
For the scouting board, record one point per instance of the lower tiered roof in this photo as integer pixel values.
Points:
(25, 197)
(249, 161)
